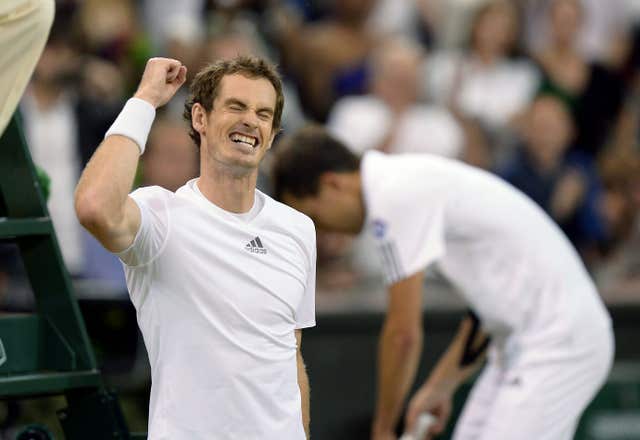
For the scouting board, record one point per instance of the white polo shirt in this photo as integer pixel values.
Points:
(512, 264)
(218, 297)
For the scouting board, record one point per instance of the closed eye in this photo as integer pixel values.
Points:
(235, 105)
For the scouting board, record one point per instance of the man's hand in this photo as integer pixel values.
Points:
(568, 194)
(436, 401)
(161, 79)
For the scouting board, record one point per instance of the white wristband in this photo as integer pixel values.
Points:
(134, 122)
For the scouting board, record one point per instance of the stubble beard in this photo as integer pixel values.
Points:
(217, 164)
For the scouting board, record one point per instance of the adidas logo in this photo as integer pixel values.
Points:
(255, 246)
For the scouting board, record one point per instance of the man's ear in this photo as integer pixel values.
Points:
(199, 118)
(271, 138)
(332, 180)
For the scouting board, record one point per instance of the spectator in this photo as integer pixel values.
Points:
(604, 27)
(110, 30)
(592, 91)
(391, 118)
(486, 82)
(564, 185)
(328, 58)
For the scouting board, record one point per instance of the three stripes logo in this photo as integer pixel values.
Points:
(255, 246)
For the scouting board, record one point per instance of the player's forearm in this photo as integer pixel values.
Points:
(303, 383)
(463, 358)
(105, 183)
(398, 356)
(101, 200)
(101, 196)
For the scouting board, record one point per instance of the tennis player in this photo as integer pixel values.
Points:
(551, 344)
(221, 275)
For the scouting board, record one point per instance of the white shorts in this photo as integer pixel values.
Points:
(540, 400)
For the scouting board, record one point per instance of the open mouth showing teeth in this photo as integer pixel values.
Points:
(244, 139)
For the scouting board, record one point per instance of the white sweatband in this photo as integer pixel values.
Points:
(134, 122)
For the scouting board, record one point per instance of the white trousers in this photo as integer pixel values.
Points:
(540, 400)
(24, 27)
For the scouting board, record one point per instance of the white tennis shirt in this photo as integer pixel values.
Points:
(218, 297)
(511, 263)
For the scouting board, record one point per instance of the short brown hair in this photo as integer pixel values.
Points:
(205, 86)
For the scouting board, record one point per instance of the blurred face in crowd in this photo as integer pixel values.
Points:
(548, 131)
(495, 29)
(239, 129)
(117, 22)
(396, 75)
(58, 64)
(170, 159)
(566, 19)
(336, 206)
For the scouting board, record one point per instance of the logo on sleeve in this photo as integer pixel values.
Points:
(379, 228)
(255, 246)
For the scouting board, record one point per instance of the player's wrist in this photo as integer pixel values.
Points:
(443, 387)
(134, 122)
(382, 426)
(147, 97)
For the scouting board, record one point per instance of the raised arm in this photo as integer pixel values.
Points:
(303, 383)
(398, 353)
(101, 200)
(463, 357)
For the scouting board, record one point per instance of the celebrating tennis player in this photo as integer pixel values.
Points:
(221, 275)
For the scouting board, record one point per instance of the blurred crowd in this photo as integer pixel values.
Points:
(544, 93)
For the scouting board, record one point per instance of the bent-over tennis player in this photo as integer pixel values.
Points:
(551, 343)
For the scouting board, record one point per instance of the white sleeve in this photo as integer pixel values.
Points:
(306, 312)
(154, 226)
(409, 231)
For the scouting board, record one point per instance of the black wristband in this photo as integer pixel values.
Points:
(469, 356)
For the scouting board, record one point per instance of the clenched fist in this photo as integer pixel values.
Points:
(161, 79)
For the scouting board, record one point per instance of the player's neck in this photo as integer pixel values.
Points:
(227, 191)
